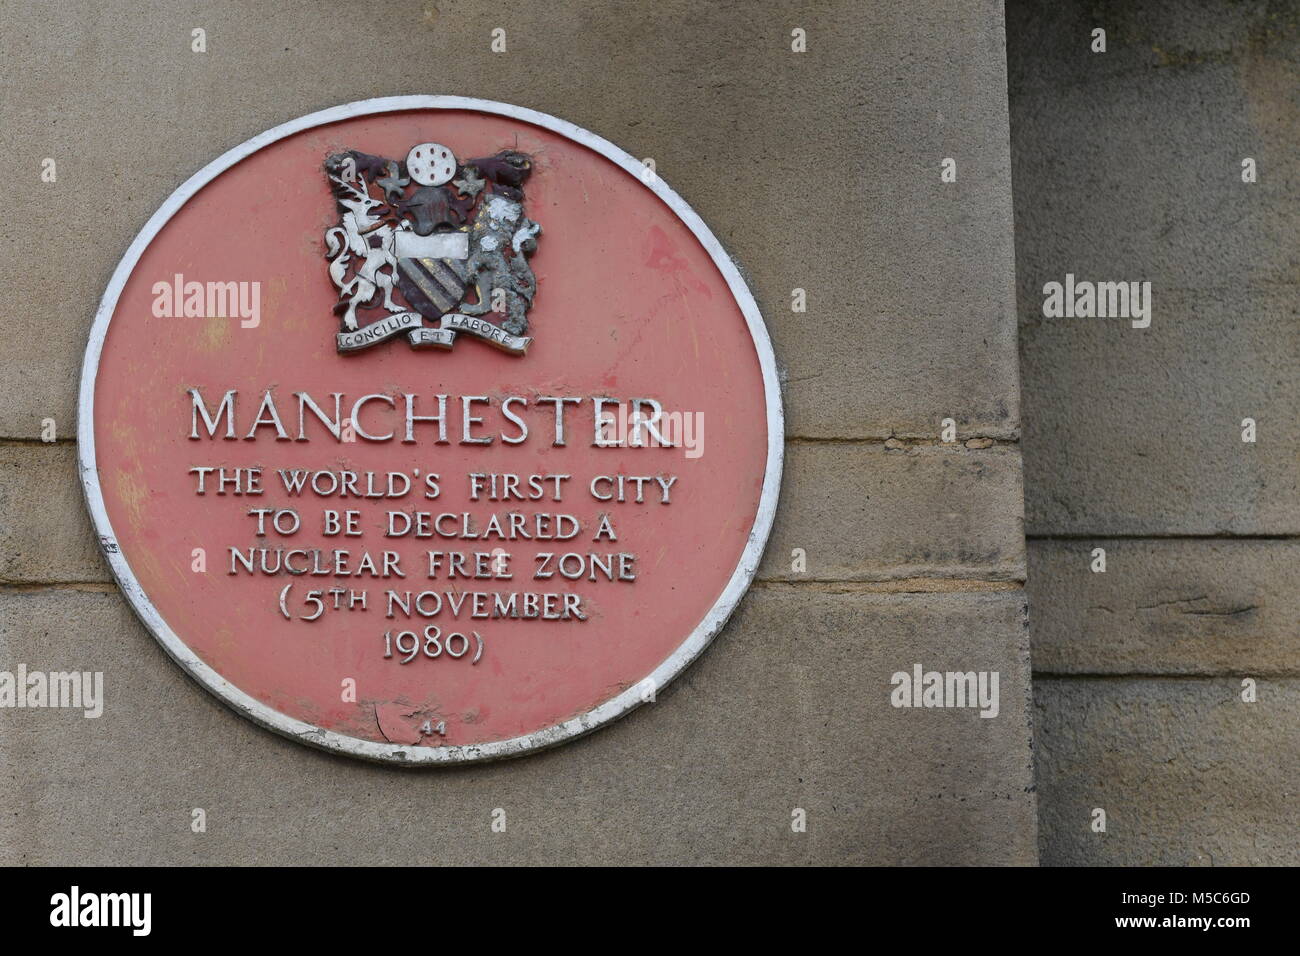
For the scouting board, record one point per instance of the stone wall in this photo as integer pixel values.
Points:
(1128, 165)
(818, 170)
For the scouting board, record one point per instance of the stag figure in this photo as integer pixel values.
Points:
(363, 234)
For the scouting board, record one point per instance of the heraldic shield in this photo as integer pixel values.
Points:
(445, 231)
(431, 271)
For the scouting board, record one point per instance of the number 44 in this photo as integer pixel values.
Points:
(429, 727)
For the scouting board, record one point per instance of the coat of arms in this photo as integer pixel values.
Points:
(449, 243)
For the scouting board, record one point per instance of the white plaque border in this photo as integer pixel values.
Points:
(415, 755)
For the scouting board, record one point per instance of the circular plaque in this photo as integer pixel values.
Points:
(438, 463)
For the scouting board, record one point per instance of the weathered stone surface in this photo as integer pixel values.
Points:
(1166, 607)
(1128, 167)
(1127, 164)
(45, 532)
(817, 170)
(1140, 431)
(1187, 773)
(866, 512)
(789, 708)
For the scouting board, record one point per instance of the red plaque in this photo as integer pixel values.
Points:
(430, 429)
